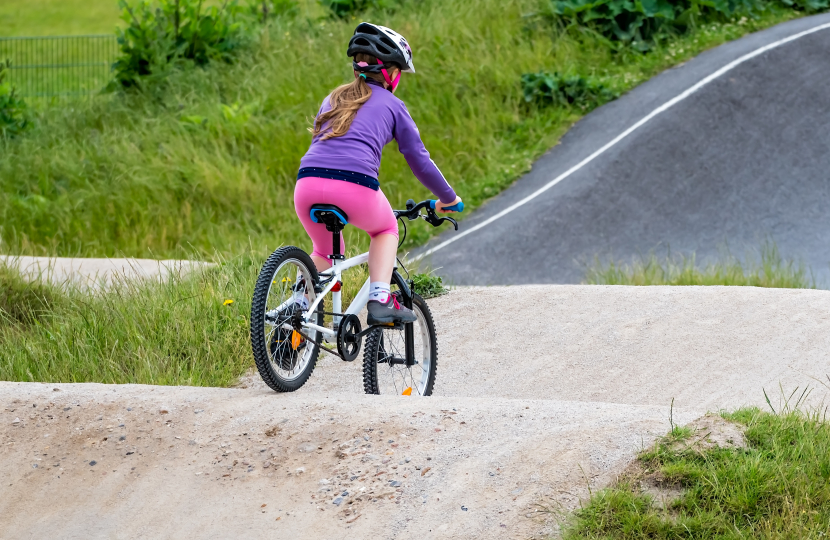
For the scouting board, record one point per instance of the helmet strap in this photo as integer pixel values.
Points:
(389, 81)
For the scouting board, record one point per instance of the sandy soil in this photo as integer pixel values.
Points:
(543, 392)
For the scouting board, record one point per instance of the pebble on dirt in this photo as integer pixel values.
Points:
(93, 463)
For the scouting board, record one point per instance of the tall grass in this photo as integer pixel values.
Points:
(206, 163)
(187, 330)
(770, 270)
(778, 487)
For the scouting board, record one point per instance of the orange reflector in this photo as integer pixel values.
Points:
(407, 392)
(296, 339)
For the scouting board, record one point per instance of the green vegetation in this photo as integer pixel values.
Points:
(641, 24)
(777, 487)
(771, 271)
(189, 330)
(22, 302)
(176, 170)
(348, 8)
(161, 35)
(544, 88)
(57, 17)
(179, 332)
(14, 113)
(428, 285)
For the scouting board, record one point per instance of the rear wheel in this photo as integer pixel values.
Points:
(284, 289)
(384, 358)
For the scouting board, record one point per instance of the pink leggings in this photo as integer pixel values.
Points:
(366, 209)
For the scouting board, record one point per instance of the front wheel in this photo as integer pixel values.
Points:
(385, 369)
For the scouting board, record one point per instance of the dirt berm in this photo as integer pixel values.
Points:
(542, 392)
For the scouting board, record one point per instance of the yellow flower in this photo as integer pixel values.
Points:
(227, 302)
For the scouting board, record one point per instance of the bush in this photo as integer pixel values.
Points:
(544, 88)
(169, 32)
(14, 113)
(809, 6)
(347, 8)
(641, 23)
(428, 285)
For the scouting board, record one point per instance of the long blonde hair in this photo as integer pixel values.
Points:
(345, 101)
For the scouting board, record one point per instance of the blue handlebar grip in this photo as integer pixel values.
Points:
(456, 207)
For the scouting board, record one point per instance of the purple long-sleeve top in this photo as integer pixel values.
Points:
(382, 118)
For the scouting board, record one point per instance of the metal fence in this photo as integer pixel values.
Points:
(59, 66)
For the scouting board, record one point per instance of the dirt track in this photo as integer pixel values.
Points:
(529, 415)
(97, 273)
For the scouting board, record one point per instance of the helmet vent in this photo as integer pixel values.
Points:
(383, 49)
(388, 42)
(366, 29)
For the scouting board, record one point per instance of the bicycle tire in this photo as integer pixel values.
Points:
(374, 355)
(259, 308)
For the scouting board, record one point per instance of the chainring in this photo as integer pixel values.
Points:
(348, 337)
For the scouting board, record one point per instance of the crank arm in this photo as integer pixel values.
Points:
(319, 345)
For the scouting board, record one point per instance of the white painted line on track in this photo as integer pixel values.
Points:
(725, 69)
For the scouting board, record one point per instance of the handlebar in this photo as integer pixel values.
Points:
(413, 211)
(459, 207)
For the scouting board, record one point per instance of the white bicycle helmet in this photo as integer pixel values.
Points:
(384, 44)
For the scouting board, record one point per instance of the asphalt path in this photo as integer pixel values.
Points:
(741, 161)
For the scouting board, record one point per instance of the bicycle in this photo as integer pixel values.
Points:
(287, 316)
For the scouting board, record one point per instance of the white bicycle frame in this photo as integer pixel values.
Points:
(338, 266)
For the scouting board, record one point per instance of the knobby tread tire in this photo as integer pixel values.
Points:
(372, 344)
(259, 346)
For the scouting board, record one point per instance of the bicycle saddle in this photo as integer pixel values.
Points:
(333, 217)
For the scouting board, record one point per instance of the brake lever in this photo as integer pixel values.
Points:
(436, 221)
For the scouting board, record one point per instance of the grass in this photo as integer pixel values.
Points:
(176, 333)
(179, 332)
(57, 17)
(771, 270)
(173, 171)
(776, 488)
(21, 301)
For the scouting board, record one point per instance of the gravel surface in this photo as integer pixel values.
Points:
(563, 385)
(95, 273)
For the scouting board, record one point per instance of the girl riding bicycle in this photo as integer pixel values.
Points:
(341, 167)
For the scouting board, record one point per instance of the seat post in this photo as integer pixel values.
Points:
(335, 247)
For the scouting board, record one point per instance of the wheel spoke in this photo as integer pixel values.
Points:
(289, 284)
(388, 356)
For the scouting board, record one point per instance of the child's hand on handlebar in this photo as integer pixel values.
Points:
(439, 206)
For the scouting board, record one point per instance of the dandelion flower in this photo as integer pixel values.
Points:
(227, 302)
